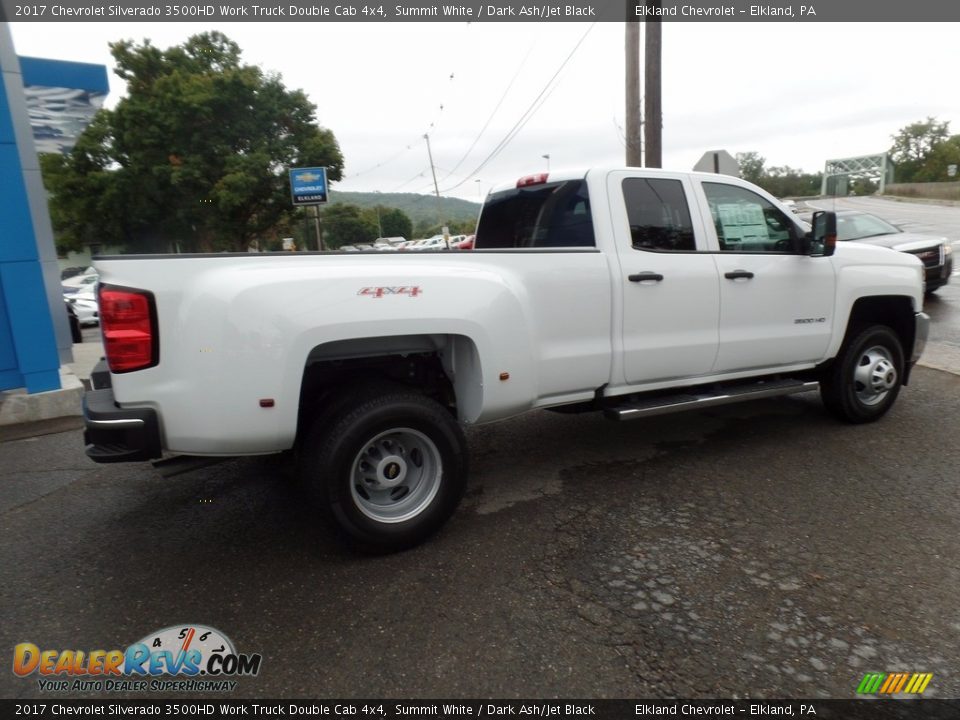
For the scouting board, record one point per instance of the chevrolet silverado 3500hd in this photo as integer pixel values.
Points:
(628, 291)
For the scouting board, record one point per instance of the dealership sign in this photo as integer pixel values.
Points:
(308, 186)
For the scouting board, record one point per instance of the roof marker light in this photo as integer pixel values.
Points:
(528, 180)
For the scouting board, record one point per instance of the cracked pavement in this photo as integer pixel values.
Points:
(754, 551)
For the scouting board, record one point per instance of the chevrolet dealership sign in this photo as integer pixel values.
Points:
(308, 186)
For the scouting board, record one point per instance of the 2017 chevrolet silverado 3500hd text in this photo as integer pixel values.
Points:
(627, 291)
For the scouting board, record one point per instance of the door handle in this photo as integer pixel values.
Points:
(645, 276)
(737, 274)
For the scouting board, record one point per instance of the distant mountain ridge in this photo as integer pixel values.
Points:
(419, 208)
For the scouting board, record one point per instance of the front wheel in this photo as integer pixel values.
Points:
(865, 379)
(389, 470)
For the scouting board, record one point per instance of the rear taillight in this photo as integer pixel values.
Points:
(128, 321)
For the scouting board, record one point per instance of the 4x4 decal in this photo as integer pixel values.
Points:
(379, 292)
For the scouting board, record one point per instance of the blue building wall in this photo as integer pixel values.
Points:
(34, 336)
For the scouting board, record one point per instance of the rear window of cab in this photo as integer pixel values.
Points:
(548, 215)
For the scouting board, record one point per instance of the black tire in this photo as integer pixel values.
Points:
(76, 334)
(864, 381)
(388, 469)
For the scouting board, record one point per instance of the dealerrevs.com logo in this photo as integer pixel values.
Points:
(178, 658)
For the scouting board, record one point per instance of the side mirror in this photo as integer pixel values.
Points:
(824, 233)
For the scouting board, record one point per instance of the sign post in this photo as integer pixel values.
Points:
(719, 162)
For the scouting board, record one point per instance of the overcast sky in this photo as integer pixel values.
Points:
(796, 93)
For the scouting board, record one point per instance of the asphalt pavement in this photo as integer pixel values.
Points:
(761, 550)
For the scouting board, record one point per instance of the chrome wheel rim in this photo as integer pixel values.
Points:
(396, 475)
(875, 375)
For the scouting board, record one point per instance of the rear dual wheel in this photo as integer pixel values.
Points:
(389, 468)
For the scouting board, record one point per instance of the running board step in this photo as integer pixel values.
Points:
(707, 398)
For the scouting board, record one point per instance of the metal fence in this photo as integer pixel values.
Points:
(934, 190)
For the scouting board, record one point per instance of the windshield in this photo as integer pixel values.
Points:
(860, 226)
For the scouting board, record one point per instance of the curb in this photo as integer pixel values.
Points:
(941, 356)
(18, 407)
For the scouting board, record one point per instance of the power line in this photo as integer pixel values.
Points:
(503, 97)
(528, 113)
(409, 146)
(381, 164)
(407, 182)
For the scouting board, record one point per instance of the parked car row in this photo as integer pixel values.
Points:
(79, 292)
(75, 283)
(85, 306)
(437, 242)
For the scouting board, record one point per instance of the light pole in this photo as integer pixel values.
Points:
(547, 158)
(479, 192)
(436, 187)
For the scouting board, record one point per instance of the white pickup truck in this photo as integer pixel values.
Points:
(628, 291)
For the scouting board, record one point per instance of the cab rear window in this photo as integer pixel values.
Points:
(551, 215)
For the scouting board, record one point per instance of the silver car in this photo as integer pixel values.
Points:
(936, 253)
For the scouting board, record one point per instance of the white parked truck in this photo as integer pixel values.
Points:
(628, 291)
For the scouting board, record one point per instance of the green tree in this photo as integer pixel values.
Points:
(345, 224)
(863, 186)
(938, 161)
(194, 158)
(426, 228)
(390, 222)
(396, 223)
(751, 166)
(914, 144)
(457, 227)
(786, 181)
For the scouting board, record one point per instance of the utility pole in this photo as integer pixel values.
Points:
(436, 189)
(632, 56)
(652, 108)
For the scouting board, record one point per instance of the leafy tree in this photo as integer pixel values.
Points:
(786, 181)
(194, 158)
(864, 186)
(345, 224)
(425, 228)
(914, 144)
(937, 162)
(457, 227)
(782, 181)
(463, 227)
(396, 223)
(389, 222)
(751, 166)
(419, 208)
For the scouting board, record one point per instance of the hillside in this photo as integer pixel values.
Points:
(419, 208)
